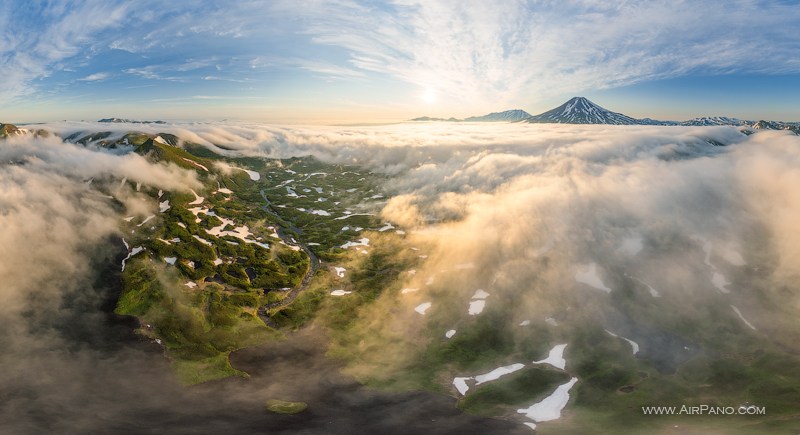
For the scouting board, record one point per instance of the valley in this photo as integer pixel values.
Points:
(263, 249)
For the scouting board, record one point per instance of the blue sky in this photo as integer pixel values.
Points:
(340, 61)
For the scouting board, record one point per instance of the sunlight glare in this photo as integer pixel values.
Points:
(429, 96)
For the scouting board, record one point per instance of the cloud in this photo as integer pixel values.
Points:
(514, 209)
(522, 50)
(650, 178)
(63, 30)
(58, 234)
(51, 156)
(531, 205)
(467, 52)
(95, 77)
(70, 364)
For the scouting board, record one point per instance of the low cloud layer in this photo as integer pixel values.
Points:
(526, 212)
(585, 187)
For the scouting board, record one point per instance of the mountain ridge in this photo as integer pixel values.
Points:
(129, 121)
(580, 110)
(512, 115)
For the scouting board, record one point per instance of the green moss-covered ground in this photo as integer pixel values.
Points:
(199, 324)
(285, 407)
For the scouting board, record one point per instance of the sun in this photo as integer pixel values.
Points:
(429, 96)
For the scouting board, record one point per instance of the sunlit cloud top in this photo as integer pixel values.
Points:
(356, 59)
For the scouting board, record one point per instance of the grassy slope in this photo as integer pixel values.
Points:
(200, 326)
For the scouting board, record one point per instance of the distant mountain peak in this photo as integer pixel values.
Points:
(9, 130)
(580, 110)
(433, 119)
(129, 121)
(580, 100)
(512, 115)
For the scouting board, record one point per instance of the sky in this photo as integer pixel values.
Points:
(362, 61)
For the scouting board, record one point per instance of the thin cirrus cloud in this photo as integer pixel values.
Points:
(95, 77)
(35, 41)
(482, 53)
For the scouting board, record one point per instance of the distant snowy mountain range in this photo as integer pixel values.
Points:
(515, 115)
(129, 121)
(580, 110)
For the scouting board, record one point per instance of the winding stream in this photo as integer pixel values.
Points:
(313, 264)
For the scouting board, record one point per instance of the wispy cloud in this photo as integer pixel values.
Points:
(478, 51)
(466, 52)
(63, 29)
(153, 72)
(95, 77)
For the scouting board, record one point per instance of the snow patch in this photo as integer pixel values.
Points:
(556, 357)
(634, 345)
(197, 199)
(739, 313)
(146, 220)
(202, 240)
(423, 307)
(476, 307)
(732, 256)
(631, 245)
(480, 294)
(720, 282)
(588, 275)
(195, 163)
(349, 215)
(551, 406)
(360, 242)
(653, 292)
(461, 385)
(498, 373)
(133, 252)
(255, 176)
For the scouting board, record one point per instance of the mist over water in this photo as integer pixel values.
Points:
(518, 210)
